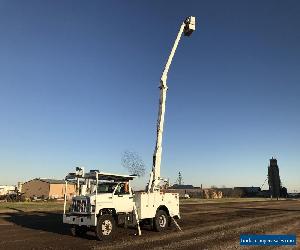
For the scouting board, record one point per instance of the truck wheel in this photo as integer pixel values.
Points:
(169, 221)
(105, 227)
(160, 221)
(78, 231)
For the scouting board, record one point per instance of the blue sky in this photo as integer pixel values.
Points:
(79, 85)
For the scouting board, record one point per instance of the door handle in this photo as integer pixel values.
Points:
(120, 195)
(130, 197)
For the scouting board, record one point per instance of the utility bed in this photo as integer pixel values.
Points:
(147, 204)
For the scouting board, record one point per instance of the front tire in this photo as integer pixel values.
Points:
(105, 227)
(161, 221)
(78, 231)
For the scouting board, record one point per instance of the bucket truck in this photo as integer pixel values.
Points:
(105, 200)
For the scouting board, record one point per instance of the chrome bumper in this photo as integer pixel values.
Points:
(80, 220)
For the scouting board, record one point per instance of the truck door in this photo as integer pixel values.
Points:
(123, 198)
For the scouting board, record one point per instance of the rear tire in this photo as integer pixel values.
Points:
(106, 227)
(161, 220)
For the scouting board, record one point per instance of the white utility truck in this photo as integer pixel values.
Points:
(105, 200)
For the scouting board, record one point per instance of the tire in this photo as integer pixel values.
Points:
(170, 223)
(78, 231)
(161, 220)
(106, 227)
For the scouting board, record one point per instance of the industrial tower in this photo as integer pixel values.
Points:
(274, 179)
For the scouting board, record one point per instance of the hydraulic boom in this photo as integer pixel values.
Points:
(186, 28)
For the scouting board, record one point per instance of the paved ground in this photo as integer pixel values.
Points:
(205, 226)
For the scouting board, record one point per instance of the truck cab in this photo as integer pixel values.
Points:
(102, 200)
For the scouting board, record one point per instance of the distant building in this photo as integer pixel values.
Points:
(264, 193)
(194, 192)
(6, 189)
(47, 189)
(226, 192)
(181, 186)
(294, 195)
(248, 191)
(185, 190)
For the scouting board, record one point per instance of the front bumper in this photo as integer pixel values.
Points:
(80, 220)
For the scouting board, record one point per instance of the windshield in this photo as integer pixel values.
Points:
(108, 187)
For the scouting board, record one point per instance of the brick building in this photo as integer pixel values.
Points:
(47, 189)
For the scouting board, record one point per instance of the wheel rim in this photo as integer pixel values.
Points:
(162, 220)
(106, 227)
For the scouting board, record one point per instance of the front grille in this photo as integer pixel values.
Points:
(80, 206)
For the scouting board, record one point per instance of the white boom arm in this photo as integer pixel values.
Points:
(187, 27)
